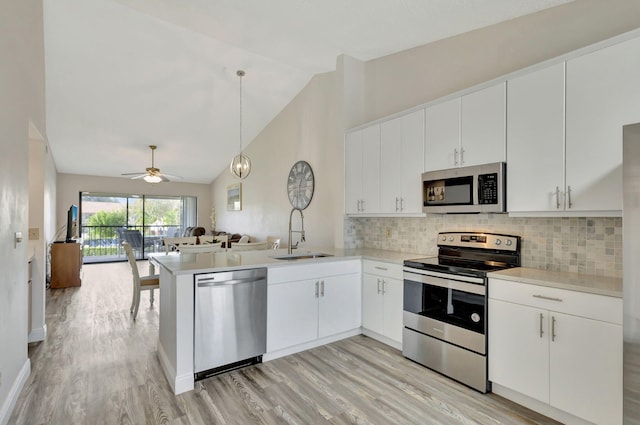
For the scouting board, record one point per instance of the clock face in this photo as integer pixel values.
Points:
(300, 185)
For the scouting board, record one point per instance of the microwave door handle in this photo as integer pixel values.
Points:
(478, 192)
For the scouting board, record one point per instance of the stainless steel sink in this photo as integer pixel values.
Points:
(301, 256)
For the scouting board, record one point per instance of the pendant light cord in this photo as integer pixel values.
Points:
(240, 74)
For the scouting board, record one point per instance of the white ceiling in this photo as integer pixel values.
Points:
(124, 74)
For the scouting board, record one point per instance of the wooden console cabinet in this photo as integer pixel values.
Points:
(66, 261)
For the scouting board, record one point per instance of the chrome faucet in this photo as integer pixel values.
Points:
(301, 231)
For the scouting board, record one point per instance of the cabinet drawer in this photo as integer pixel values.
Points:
(290, 273)
(592, 306)
(381, 268)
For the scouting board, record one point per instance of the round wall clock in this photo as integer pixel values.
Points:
(300, 185)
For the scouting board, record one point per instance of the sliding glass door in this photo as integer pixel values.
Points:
(109, 219)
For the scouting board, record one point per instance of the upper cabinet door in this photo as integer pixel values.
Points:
(391, 133)
(353, 171)
(535, 135)
(482, 126)
(442, 135)
(603, 94)
(412, 162)
(371, 169)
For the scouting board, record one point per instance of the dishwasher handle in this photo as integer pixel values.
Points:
(209, 282)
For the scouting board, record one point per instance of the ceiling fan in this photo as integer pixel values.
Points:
(152, 174)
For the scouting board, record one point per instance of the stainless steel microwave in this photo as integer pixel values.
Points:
(476, 189)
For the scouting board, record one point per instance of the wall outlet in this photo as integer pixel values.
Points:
(34, 233)
(388, 232)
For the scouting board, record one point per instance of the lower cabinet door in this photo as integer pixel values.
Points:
(519, 348)
(292, 314)
(586, 368)
(372, 303)
(393, 309)
(339, 306)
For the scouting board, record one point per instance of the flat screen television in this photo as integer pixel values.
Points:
(72, 224)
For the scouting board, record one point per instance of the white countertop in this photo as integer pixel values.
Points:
(601, 285)
(177, 263)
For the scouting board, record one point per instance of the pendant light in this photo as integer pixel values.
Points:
(241, 164)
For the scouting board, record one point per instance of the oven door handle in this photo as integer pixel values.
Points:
(456, 285)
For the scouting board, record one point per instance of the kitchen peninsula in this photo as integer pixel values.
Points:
(297, 318)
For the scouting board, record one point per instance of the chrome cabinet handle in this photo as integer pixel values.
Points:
(541, 330)
(381, 268)
(569, 196)
(379, 287)
(542, 297)
(557, 198)
(396, 204)
(553, 328)
(401, 204)
(322, 288)
(317, 289)
(383, 290)
(455, 156)
(362, 205)
(461, 156)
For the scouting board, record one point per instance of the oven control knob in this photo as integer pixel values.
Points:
(475, 317)
(444, 238)
(450, 238)
(508, 242)
(498, 242)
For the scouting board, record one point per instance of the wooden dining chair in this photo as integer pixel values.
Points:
(144, 283)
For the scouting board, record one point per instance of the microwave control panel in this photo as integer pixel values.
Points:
(488, 188)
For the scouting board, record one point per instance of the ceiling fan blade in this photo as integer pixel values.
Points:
(140, 176)
(169, 176)
(133, 174)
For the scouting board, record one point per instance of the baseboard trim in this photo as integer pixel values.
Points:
(179, 384)
(538, 406)
(38, 334)
(14, 393)
(383, 339)
(309, 345)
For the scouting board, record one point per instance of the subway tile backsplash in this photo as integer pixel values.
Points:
(591, 245)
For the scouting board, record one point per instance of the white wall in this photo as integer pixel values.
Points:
(21, 102)
(42, 180)
(304, 130)
(70, 185)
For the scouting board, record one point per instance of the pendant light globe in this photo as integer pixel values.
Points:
(241, 164)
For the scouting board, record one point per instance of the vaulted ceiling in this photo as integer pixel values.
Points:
(125, 74)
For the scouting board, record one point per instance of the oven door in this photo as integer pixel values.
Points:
(448, 307)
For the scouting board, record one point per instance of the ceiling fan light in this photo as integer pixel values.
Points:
(152, 179)
(240, 166)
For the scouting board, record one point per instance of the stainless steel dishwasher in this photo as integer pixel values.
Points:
(230, 323)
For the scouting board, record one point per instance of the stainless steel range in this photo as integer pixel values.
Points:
(445, 303)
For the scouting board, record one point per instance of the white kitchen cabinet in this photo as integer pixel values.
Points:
(603, 94)
(482, 126)
(309, 302)
(559, 347)
(535, 138)
(467, 131)
(339, 304)
(292, 314)
(442, 139)
(401, 147)
(362, 178)
(382, 298)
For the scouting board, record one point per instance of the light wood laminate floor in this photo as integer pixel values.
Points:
(98, 366)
